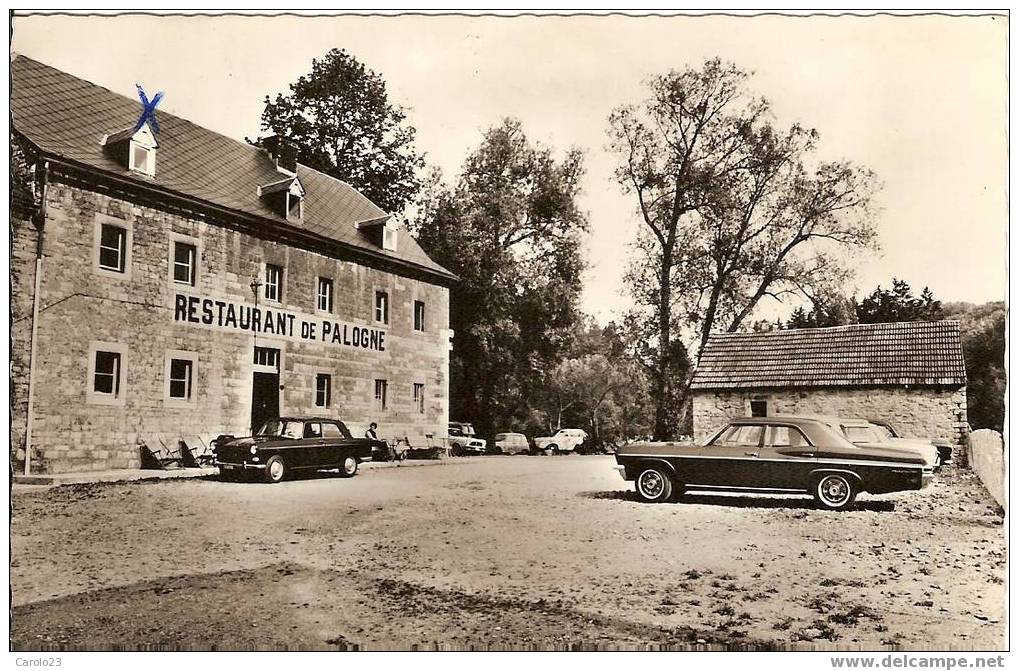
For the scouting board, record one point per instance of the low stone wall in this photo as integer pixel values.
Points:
(987, 459)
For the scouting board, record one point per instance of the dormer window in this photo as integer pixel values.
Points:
(382, 232)
(285, 197)
(389, 237)
(295, 207)
(135, 149)
(143, 159)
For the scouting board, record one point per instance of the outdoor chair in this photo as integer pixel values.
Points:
(196, 452)
(155, 455)
(440, 446)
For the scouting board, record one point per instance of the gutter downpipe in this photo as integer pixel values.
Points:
(40, 229)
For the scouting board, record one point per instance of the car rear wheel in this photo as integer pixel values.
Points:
(275, 469)
(653, 485)
(834, 491)
(349, 467)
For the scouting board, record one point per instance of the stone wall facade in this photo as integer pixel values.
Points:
(23, 252)
(82, 306)
(916, 412)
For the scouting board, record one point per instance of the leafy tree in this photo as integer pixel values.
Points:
(828, 309)
(24, 200)
(983, 346)
(511, 228)
(598, 380)
(733, 212)
(609, 390)
(341, 121)
(898, 304)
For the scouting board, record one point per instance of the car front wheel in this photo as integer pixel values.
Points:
(275, 469)
(653, 485)
(349, 467)
(834, 491)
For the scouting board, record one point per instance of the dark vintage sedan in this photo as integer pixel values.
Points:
(772, 454)
(289, 444)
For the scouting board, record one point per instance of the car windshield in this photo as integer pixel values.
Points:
(282, 429)
(468, 429)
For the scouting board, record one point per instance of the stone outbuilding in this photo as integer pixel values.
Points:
(167, 280)
(911, 374)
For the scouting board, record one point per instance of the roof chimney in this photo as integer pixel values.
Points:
(282, 152)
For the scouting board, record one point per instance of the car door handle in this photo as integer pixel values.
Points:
(751, 454)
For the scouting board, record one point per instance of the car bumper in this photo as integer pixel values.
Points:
(239, 466)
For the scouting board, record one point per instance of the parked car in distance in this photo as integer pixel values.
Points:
(565, 440)
(944, 447)
(862, 432)
(772, 454)
(511, 443)
(288, 444)
(463, 440)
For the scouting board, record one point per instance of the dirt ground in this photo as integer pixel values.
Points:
(500, 553)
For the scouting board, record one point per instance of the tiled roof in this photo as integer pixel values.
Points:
(903, 353)
(67, 117)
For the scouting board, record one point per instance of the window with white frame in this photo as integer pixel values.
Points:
(181, 377)
(142, 158)
(181, 374)
(325, 294)
(106, 375)
(273, 283)
(419, 315)
(113, 248)
(185, 262)
(381, 387)
(389, 238)
(382, 307)
(419, 397)
(323, 390)
(267, 357)
(106, 369)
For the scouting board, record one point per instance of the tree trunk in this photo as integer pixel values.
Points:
(662, 379)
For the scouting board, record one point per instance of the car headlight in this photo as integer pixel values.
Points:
(254, 450)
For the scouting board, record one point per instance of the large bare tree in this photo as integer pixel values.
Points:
(734, 210)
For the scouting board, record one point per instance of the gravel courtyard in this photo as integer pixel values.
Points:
(499, 553)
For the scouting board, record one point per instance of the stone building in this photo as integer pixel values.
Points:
(911, 374)
(170, 280)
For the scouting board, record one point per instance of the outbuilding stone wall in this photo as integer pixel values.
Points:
(916, 412)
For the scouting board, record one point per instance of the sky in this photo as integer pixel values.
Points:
(919, 100)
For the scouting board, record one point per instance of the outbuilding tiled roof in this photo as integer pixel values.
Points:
(859, 355)
(67, 117)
